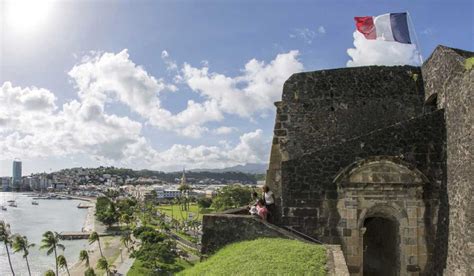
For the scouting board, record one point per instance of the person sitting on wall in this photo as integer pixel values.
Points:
(269, 199)
(262, 210)
(253, 207)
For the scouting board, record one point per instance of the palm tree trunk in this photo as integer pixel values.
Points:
(67, 269)
(56, 261)
(100, 248)
(28, 265)
(9, 260)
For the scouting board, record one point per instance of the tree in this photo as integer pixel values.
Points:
(105, 211)
(232, 196)
(104, 265)
(94, 237)
(126, 219)
(84, 257)
(126, 239)
(5, 237)
(63, 263)
(49, 273)
(154, 255)
(21, 244)
(89, 272)
(50, 242)
(204, 202)
(184, 198)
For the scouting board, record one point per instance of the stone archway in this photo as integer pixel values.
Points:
(381, 208)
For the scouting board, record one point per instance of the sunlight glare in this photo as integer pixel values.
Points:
(27, 15)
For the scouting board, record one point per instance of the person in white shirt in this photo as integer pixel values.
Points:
(269, 199)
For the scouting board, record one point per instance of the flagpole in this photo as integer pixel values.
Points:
(417, 43)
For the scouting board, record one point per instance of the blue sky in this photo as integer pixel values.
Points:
(87, 83)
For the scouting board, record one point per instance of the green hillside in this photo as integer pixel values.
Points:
(264, 257)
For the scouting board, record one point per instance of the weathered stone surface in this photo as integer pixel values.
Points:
(222, 229)
(448, 81)
(411, 135)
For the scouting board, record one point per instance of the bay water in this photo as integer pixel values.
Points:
(32, 221)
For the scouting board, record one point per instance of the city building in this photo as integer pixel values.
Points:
(16, 175)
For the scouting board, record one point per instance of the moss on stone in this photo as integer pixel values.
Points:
(469, 63)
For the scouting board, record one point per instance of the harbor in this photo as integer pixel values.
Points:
(33, 220)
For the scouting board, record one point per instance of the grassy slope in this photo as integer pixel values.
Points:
(264, 257)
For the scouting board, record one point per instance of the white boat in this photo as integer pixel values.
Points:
(34, 202)
(4, 208)
(13, 204)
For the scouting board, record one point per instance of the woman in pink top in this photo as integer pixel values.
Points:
(262, 210)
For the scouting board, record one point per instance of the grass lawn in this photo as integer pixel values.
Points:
(264, 257)
(178, 214)
(137, 269)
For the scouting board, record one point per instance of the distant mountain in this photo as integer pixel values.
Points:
(251, 168)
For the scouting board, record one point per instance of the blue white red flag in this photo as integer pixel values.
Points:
(388, 27)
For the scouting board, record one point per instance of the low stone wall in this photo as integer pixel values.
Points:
(336, 263)
(232, 226)
(222, 229)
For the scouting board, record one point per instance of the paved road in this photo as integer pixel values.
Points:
(125, 266)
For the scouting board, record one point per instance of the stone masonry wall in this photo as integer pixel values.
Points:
(326, 107)
(446, 76)
(222, 229)
(330, 106)
(309, 195)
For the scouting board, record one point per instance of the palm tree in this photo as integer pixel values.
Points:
(126, 239)
(5, 237)
(84, 257)
(89, 272)
(50, 242)
(104, 265)
(63, 263)
(49, 273)
(94, 237)
(126, 219)
(21, 244)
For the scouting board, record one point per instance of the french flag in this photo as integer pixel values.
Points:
(388, 27)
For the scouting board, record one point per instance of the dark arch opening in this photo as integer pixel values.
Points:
(381, 247)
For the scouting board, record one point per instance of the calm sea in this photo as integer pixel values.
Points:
(32, 221)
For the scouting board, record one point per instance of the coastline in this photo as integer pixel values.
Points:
(89, 222)
(78, 268)
(111, 246)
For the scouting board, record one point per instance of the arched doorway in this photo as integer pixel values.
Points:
(382, 224)
(381, 245)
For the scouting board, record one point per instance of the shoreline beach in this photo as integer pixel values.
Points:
(111, 245)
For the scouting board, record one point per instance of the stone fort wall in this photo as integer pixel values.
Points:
(451, 86)
(421, 120)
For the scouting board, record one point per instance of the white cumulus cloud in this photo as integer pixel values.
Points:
(379, 52)
(254, 91)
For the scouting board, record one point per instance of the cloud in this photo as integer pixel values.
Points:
(253, 147)
(82, 127)
(321, 30)
(108, 77)
(308, 35)
(170, 64)
(259, 84)
(32, 125)
(378, 52)
(224, 130)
